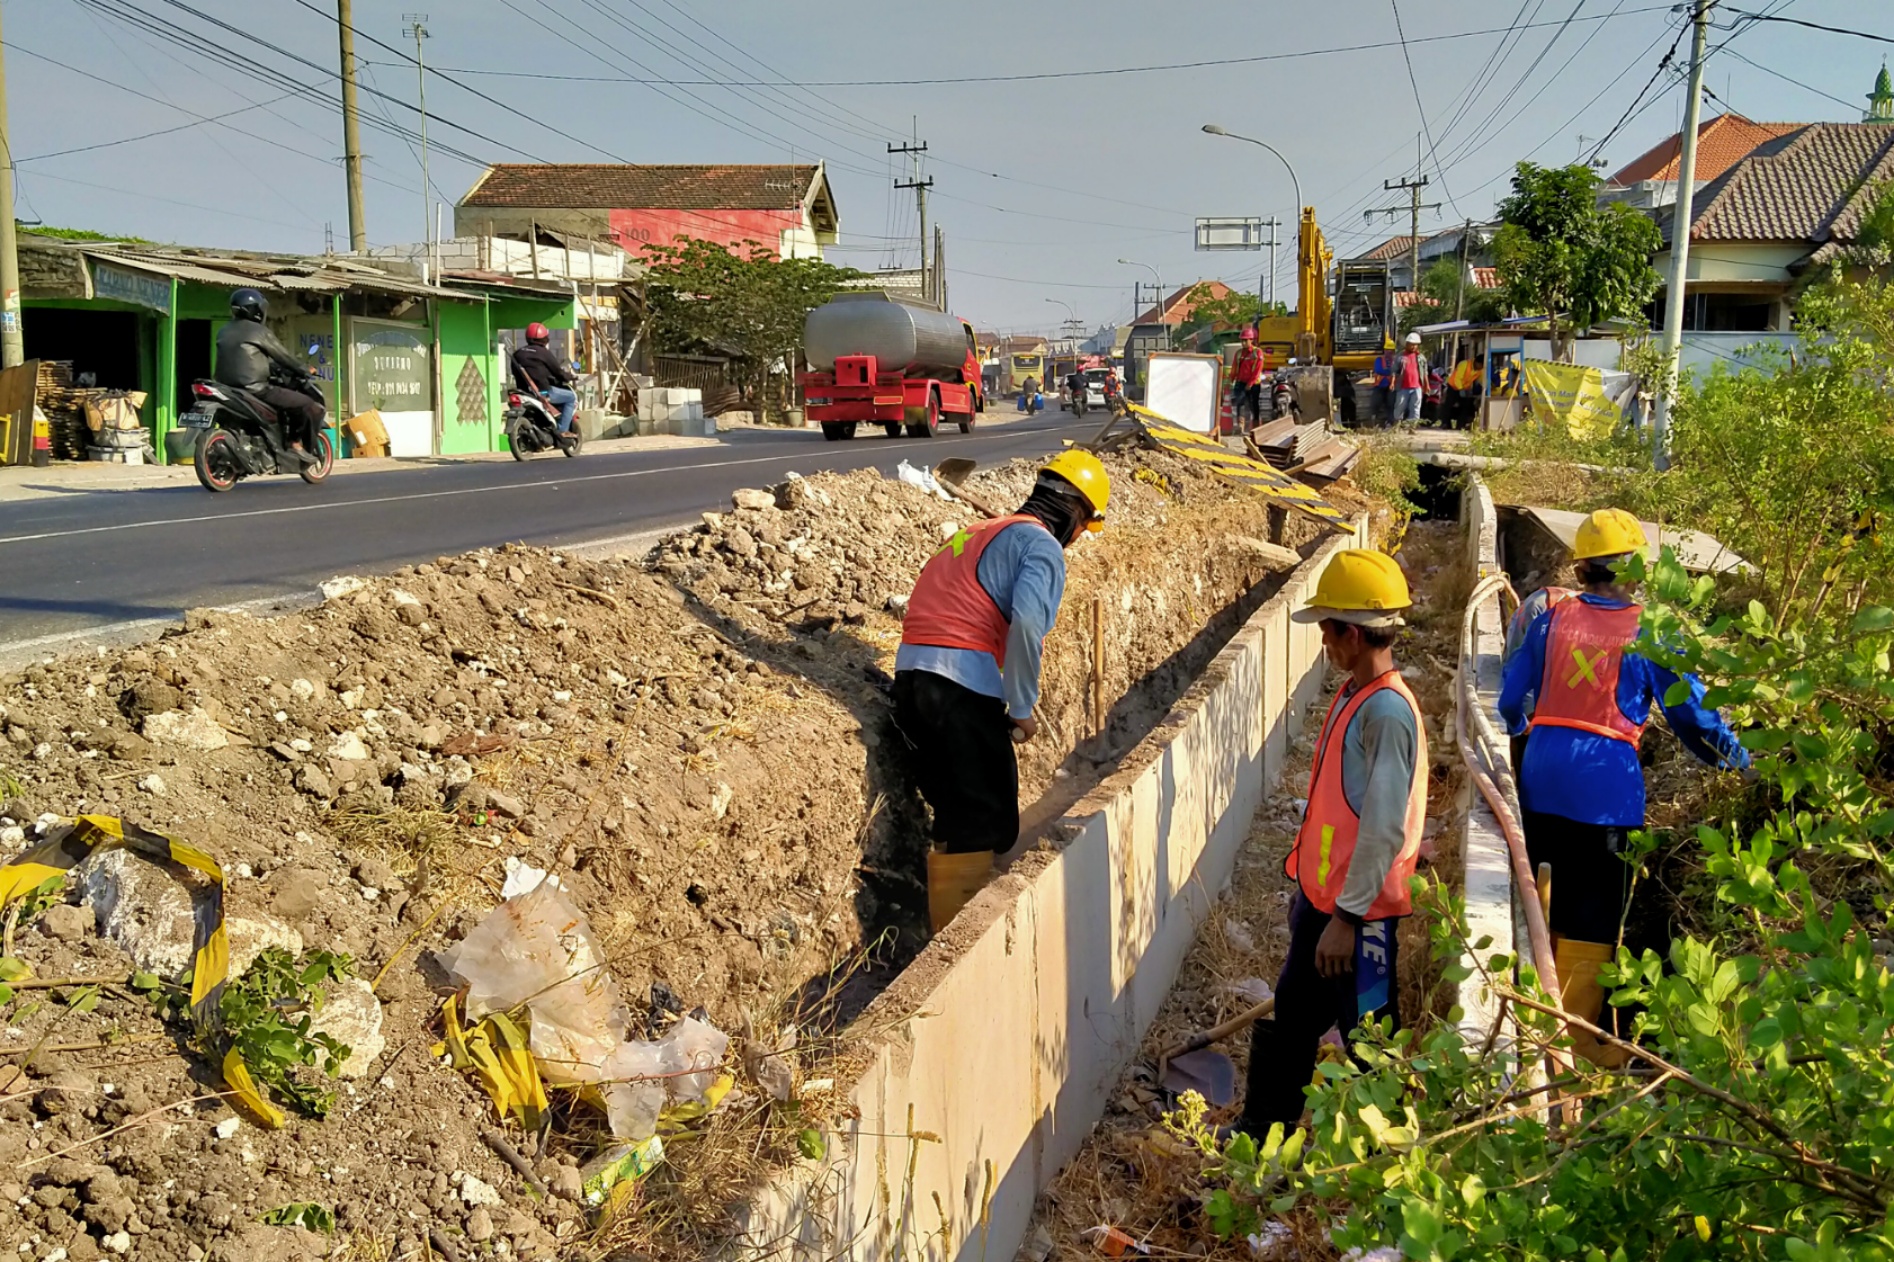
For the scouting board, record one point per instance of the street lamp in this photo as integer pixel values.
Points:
(1071, 315)
(1214, 130)
(1159, 304)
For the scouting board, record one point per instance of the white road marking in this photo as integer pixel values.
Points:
(330, 505)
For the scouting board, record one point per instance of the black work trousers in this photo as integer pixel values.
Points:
(960, 743)
(1590, 879)
(1283, 1050)
(1247, 400)
(298, 415)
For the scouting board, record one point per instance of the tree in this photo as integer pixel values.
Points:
(750, 306)
(1233, 310)
(1561, 254)
(1441, 299)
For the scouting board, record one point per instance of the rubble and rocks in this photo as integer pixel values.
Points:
(704, 758)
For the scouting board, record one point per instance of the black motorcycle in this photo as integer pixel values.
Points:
(230, 445)
(532, 427)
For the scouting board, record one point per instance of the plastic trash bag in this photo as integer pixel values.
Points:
(537, 949)
(922, 478)
(643, 1079)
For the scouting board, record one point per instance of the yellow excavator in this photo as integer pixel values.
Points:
(1346, 329)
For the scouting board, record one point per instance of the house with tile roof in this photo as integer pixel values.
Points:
(1650, 179)
(1788, 209)
(1178, 307)
(787, 208)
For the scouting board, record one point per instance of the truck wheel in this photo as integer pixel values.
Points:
(967, 422)
(931, 426)
(836, 431)
(892, 428)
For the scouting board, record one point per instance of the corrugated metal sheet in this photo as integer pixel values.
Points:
(1699, 553)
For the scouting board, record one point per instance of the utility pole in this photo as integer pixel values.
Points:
(12, 342)
(1680, 237)
(351, 129)
(1460, 291)
(914, 149)
(1272, 225)
(417, 29)
(1414, 207)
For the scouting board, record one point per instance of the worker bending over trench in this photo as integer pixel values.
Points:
(1577, 688)
(966, 676)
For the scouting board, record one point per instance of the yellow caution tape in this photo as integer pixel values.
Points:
(516, 1063)
(247, 1094)
(497, 1055)
(93, 834)
(1265, 479)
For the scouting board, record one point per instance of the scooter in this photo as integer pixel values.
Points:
(531, 427)
(230, 445)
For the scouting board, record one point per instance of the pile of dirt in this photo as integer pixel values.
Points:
(698, 745)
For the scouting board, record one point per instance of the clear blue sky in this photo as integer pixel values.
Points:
(1041, 183)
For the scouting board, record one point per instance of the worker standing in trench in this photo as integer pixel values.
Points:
(1358, 845)
(966, 676)
(1580, 692)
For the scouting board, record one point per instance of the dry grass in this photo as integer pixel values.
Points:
(419, 845)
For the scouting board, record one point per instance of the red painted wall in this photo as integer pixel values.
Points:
(635, 229)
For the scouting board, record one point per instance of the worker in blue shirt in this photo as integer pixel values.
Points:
(1581, 693)
(966, 676)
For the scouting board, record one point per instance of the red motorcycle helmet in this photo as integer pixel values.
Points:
(538, 334)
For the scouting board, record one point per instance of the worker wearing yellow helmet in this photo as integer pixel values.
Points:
(1581, 692)
(966, 676)
(1358, 844)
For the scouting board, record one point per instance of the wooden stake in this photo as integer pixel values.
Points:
(1098, 665)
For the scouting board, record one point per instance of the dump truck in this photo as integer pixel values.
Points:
(881, 360)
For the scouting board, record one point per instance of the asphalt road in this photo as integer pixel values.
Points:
(94, 558)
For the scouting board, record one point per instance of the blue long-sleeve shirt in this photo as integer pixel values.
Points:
(1594, 779)
(1023, 570)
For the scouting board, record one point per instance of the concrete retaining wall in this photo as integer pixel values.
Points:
(1004, 1038)
(1489, 883)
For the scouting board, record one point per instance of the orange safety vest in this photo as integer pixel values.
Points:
(1584, 649)
(949, 609)
(1326, 842)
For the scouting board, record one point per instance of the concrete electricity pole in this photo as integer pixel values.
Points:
(417, 28)
(1680, 237)
(1414, 207)
(12, 343)
(920, 187)
(351, 129)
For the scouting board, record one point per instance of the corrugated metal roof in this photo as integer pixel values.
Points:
(1698, 552)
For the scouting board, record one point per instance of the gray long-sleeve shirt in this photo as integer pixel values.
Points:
(1379, 750)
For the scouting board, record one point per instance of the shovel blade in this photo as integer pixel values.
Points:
(1207, 1071)
(954, 469)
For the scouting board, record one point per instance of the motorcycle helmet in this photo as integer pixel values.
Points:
(248, 304)
(538, 334)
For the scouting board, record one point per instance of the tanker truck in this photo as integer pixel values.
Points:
(889, 363)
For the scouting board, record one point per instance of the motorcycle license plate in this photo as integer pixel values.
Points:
(196, 420)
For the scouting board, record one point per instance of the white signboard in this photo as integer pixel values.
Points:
(1230, 234)
(1185, 389)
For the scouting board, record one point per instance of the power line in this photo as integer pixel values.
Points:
(1039, 75)
(1794, 82)
(1814, 26)
(1421, 109)
(147, 135)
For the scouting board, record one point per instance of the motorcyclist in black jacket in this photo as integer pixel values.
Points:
(246, 350)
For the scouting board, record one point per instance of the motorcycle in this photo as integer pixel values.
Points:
(1076, 398)
(1283, 400)
(531, 427)
(230, 445)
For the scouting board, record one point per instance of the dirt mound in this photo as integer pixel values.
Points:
(698, 745)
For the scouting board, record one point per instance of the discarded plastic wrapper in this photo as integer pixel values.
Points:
(1112, 1242)
(615, 1165)
(523, 878)
(538, 950)
(907, 473)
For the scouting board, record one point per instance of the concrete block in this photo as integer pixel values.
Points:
(595, 423)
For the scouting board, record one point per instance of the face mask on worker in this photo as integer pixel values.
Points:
(1058, 504)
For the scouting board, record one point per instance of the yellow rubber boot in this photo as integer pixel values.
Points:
(953, 879)
(1583, 995)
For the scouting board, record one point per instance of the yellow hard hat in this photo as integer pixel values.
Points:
(1087, 475)
(1361, 586)
(1609, 532)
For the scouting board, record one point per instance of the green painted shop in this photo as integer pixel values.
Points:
(108, 316)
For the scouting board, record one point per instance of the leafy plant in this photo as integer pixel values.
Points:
(1448, 294)
(307, 1214)
(268, 1014)
(1563, 255)
(749, 304)
(1231, 311)
(12, 969)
